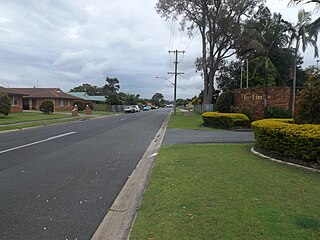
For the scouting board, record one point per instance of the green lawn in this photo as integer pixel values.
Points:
(187, 121)
(33, 119)
(30, 116)
(225, 192)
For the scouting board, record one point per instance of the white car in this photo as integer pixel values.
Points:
(136, 108)
(129, 109)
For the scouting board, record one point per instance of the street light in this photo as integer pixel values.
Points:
(174, 95)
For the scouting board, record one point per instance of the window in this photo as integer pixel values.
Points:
(69, 103)
(14, 101)
(61, 102)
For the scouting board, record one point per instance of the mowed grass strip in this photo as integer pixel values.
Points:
(225, 192)
(42, 123)
(30, 116)
(187, 121)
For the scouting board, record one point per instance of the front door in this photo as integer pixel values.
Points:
(25, 104)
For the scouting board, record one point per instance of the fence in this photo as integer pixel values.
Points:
(201, 108)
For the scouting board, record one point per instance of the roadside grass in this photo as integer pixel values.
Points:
(30, 116)
(187, 121)
(225, 192)
(42, 123)
(102, 113)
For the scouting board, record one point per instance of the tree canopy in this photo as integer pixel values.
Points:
(219, 23)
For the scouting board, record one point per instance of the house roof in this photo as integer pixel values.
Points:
(45, 93)
(10, 91)
(85, 96)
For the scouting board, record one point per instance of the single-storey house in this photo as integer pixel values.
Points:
(84, 96)
(15, 98)
(35, 96)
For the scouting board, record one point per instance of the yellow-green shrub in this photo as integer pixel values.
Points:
(292, 140)
(224, 120)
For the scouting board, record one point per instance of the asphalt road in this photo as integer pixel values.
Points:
(57, 182)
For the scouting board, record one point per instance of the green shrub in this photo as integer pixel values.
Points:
(89, 103)
(234, 109)
(224, 120)
(5, 104)
(46, 107)
(308, 104)
(278, 112)
(246, 111)
(300, 141)
(225, 101)
(80, 105)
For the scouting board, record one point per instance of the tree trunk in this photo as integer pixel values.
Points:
(294, 82)
(266, 87)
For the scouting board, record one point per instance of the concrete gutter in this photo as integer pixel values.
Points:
(283, 162)
(119, 220)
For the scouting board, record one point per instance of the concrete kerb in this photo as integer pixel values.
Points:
(283, 162)
(119, 220)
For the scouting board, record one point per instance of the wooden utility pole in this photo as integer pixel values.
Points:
(176, 73)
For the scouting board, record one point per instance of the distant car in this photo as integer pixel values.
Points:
(145, 108)
(136, 108)
(170, 106)
(153, 108)
(129, 109)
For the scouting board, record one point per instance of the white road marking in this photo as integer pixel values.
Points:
(123, 119)
(37, 142)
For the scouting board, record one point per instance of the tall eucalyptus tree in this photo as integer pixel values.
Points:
(219, 23)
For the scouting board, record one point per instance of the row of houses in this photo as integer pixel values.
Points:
(31, 98)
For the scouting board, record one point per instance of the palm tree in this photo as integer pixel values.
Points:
(303, 33)
(263, 40)
(296, 2)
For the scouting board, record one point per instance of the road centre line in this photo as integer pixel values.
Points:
(37, 142)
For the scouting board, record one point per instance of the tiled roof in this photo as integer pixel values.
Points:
(12, 91)
(45, 93)
(85, 96)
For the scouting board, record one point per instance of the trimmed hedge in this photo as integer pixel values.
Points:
(225, 120)
(300, 141)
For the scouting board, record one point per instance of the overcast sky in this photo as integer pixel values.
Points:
(65, 43)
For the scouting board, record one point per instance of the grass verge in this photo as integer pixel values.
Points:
(187, 121)
(42, 123)
(30, 116)
(225, 192)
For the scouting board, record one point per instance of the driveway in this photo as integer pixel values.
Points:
(180, 136)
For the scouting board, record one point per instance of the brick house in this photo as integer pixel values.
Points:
(15, 98)
(35, 96)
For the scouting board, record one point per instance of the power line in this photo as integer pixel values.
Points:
(193, 35)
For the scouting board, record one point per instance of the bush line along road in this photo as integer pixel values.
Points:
(58, 182)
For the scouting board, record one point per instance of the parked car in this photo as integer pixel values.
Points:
(129, 109)
(145, 108)
(153, 108)
(136, 108)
